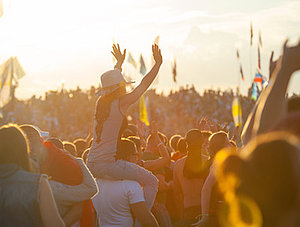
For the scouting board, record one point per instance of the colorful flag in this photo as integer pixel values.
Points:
(251, 33)
(143, 66)
(143, 110)
(237, 112)
(174, 71)
(258, 78)
(255, 92)
(258, 58)
(131, 60)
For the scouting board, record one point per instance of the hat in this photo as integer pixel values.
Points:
(111, 81)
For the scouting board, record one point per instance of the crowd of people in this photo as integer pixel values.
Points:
(96, 164)
(186, 104)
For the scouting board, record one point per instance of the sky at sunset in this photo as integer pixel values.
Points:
(69, 42)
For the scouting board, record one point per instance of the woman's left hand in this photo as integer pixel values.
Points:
(118, 54)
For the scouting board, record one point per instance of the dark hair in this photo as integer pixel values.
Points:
(81, 145)
(181, 145)
(137, 141)
(126, 148)
(14, 148)
(217, 141)
(267, 174)
(84, 154)
(57, 142)
(31, 133)
(70, 147)
(173, 141)
(103, 107)
(194, 166)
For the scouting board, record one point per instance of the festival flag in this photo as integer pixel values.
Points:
(10, 71)
(251, 34)
(258, 57)
(255, 92)
(239, 60)
(237, 112)
(259, 39)
(143, 66)
(242, 74)
(143, 110)
(174, 71)
(258, 78)
(131, 60)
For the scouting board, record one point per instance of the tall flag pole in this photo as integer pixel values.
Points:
(250, 48)
(251, 34)
(258, 57)
(259, 47)
(174, 71)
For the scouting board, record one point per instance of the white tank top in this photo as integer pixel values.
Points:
(105, 150)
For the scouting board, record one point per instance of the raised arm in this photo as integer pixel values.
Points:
(133, 96)
(165, 159)
(272, 106)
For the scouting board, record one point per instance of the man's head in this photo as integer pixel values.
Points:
(127, 151)
(194, 140)
(70, 147)
(81, 145)
(173, 142)
(38, 151)
(218, 141)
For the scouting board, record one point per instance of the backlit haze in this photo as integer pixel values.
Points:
(69, 42)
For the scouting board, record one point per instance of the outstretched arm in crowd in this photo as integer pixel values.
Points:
(133, 96)
(165, 159)
(272, 106)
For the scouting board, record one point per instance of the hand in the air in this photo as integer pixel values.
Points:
(118, 54)
(157, 54)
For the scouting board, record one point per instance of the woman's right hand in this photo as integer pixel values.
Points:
(157, 54)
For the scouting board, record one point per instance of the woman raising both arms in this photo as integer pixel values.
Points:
(110, 121)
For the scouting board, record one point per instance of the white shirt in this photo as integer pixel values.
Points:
(112, 203)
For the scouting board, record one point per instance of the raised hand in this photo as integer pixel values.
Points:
(118, 55)
(156, 54)
(290, 58)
